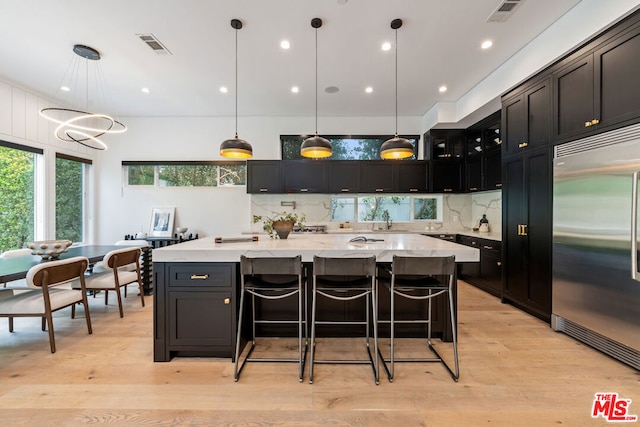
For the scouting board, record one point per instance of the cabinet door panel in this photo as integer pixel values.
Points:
(618, 89)
(304, 176)
(446, 176)
(411, 176)
(263, 176)
(344, 176)
(492, 170)
(377, 176)
(515, 284)
(514, 125)
(574, 98)
(539, 229)
(474, 173)
(200, 319)
(539, 116)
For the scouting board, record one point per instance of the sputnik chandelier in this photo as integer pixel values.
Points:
(77, 125)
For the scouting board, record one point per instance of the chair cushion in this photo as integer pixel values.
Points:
(32, 302)
(106, 281)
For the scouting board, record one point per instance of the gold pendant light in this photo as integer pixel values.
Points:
(316, 147)
(236, 148)
(396, 147)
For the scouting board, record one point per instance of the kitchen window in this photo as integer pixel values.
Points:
(20, 170)
(383, 208)
(72, 175)
(345, 147)
(185, 173)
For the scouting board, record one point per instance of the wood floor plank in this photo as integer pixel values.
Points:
(515, 371)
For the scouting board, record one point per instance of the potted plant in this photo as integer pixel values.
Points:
(281, 224)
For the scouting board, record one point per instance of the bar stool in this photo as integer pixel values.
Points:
(345, 279)
(421, 278)
(271, 279)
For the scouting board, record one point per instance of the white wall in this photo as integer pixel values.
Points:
(206, 211)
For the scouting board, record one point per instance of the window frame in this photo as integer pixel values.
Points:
(333, 139)
(157, 163)
(86, 177)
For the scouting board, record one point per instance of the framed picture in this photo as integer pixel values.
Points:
(161, 222)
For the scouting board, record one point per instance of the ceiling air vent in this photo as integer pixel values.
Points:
(505, 9)
(154, 44)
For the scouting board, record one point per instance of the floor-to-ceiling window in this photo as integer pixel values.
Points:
(71, 178)
(18, 200)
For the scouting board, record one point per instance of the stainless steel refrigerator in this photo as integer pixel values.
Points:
(596, 282)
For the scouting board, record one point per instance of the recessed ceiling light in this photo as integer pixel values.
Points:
(368, 89)
(442, 89)
(285, 44)
(295, 89)
(486, 44)
(386, 46)
(145, 90)
(65, 88)
(224, 89)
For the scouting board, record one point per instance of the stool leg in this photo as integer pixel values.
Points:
(392, 325)
(374, 302)
(236, 374)
(313, 330)
(455, 337)
(300, 331)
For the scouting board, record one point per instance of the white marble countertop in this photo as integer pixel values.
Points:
(308, 245)
(491, 235)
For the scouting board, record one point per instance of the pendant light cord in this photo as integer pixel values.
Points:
(396, 78)
(316, 82)
(236, 72)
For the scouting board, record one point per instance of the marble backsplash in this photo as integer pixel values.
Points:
(461, 212)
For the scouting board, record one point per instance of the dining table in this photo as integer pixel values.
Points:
(16, 268)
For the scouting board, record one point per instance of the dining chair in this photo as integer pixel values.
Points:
(346, 279)
(122, 268)
(46, 296)
(420, 279)
(271, 279)
(15, 253)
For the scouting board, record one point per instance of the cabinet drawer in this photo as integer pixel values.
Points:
(469, 241)
(492, 246)
(198, 274)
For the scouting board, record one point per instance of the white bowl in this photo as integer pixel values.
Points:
(49, 249)
(181, 229)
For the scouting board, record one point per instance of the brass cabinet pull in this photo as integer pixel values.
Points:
(413, 189)
(263, 190)
(487, 247)
(379, 190)
(304, 190)
(344, 190)
(522, 230)
(448, 189)
(227, 301)
(473, 188)
(587, 124)
(498, 263)
(199, 276)
(498, 185)
(523, 144)
(595, 121)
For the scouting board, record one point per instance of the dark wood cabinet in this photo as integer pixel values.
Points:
(600, 89)
(443, 144)
(486, 274)
(446, 176)
(410, 176)
(492, 170)
(194, 310)
(377, 176)
(526, 119)
(474, 173)
(343, 176)
(483, 154)
(304, 176)
(526, 208)
(264, 176)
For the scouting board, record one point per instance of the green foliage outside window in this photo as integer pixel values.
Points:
(188, 175)
(17, 198)
(69, 199)
(343, 147)
(383, 208)
(141, 175)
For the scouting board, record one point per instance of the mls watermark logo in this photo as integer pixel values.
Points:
(612, 408)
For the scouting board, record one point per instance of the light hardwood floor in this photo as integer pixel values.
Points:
(515, 371)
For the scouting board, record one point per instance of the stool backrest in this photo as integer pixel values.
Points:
(285, 266)
(122, 257)
(431, 266)
(344, 266)
(51, 273)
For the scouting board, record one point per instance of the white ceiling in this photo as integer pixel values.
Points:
(438, 44)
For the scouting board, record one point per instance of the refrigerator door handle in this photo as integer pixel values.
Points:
(635, 274)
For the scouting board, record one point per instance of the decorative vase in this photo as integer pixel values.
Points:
(283, 228)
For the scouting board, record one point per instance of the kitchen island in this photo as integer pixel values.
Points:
(196, 283)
